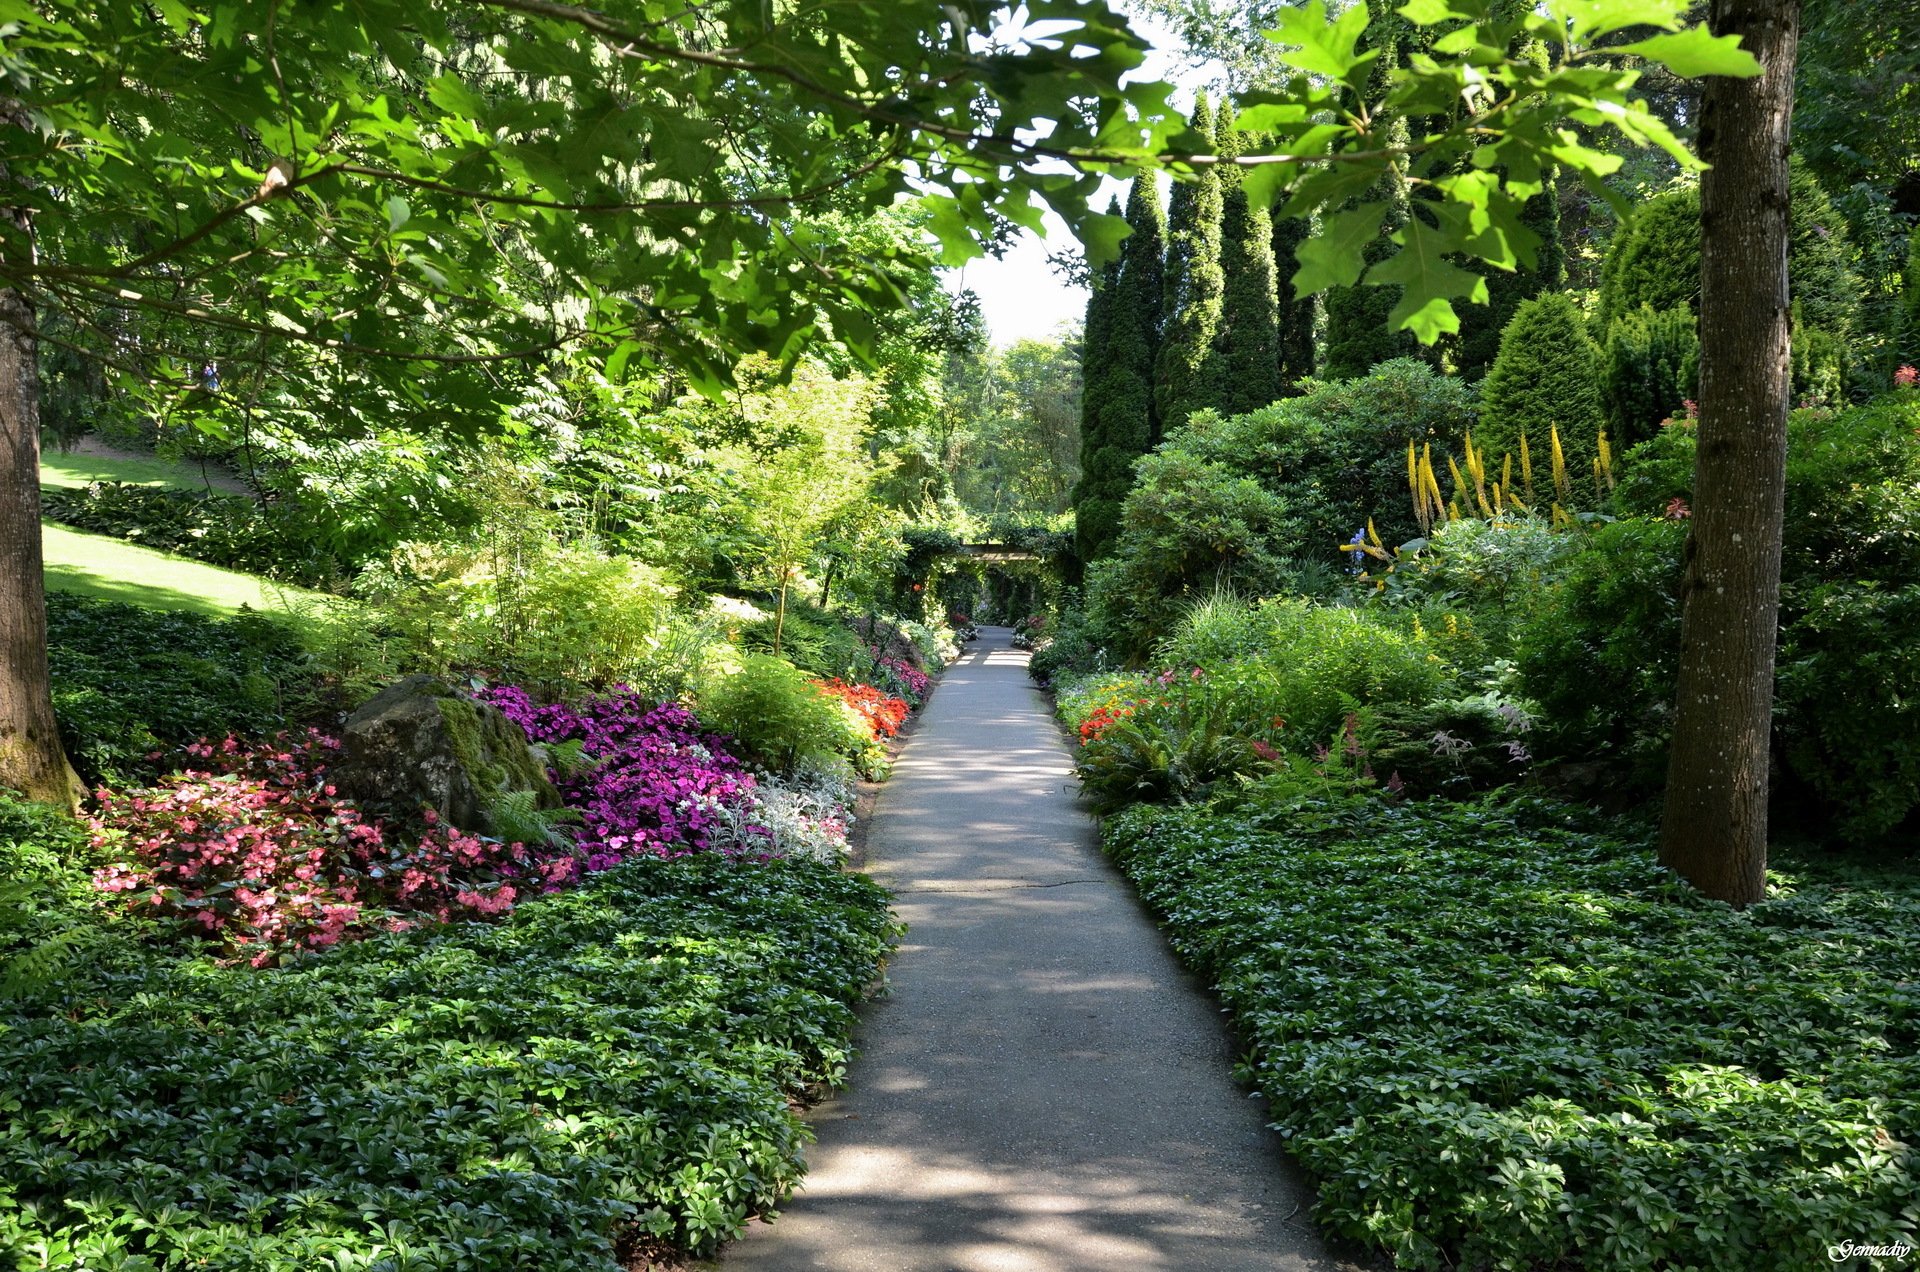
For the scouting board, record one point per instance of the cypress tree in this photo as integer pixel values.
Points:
(1547, 377)
(1246, 349)
(1095, 353)
(1194, 286)
(1478, 341)
(1358, 333)
(1123, 424)
(1297, 315)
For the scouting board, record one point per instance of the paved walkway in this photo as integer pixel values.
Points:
(1043, 1090)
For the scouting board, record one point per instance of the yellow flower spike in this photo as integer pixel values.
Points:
(1506, 470)
(1499, 504)
(1562, 486)
(1459, 482)
(1526, 466)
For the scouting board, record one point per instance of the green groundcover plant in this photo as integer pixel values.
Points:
(605, 1071)
(1498, 1035)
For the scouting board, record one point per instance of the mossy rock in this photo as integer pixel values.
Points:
(418, 745)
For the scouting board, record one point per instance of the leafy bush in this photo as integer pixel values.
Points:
(253, 850)
(225, 530)
(1547, 376)
(1652, 369)
(561, 618)
(1499, 572)
(132, 685)
(1654, 260)
(1189, 527)
(1191, 733)
(1322, 664)
(609, 1066)
(1215, 629)
(778, 718)
(1600, 657)
(1337, 454)
(1497, 1036)
(1852, 547)
(1454, 747)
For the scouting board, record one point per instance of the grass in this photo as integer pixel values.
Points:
(115, 570)
(73, 469)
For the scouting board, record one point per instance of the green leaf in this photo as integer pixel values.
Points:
(1334, 257)
(1695, 52)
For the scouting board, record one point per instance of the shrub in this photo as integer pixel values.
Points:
(1499, 571)
(225, 530)
(1189, 528)
(1852, 546)
(1497, 1035)
(563, 619)
(1600, 657)
(608, 1068)
(1655, 260)
(1546, 377)
(132, 685)
(1321, 664)
(1336, 455)
(1849, 664)
(1652, 369)
(778, 718)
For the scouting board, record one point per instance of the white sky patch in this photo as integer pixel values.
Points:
(1021, 296)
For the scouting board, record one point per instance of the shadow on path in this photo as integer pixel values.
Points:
(1043, 1090)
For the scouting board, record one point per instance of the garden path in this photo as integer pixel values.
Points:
(1043, 1089)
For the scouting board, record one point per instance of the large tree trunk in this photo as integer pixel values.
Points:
(1714, 830)
(31, 759)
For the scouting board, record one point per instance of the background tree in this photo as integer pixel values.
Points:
(1298, 315)
(1546, 376)
(1244, 367)
(1123, 424)
(1714, 826)
(1195, 286)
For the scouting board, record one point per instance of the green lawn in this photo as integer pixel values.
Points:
(72, 469)
(115, 570)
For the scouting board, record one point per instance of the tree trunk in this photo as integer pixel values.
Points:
(31, 759)
(1714, 829)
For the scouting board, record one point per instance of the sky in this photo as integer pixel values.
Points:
(1021, 295)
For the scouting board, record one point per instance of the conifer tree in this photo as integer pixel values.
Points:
(1297, 315)
(1095, 346)
(1194, 285)
(1478, 340)
(1246, 349)
(1122, 381)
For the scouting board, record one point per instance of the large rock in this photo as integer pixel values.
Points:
(417, 745)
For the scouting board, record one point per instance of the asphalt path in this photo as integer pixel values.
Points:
(1042, 1089)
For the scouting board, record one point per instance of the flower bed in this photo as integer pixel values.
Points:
(250, 847)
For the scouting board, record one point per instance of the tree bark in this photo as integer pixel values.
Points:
(1714, 828)
(31, 759)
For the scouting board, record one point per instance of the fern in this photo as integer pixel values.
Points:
(516, 818)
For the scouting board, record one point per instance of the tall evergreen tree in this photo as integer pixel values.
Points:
(1297, 314)
(1122, 425)
(1246, 349)
(1194, 285)
(1095, 345)
(1478, 341)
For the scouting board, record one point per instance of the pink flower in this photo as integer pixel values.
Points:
(1906, 377)
(1677, 509)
